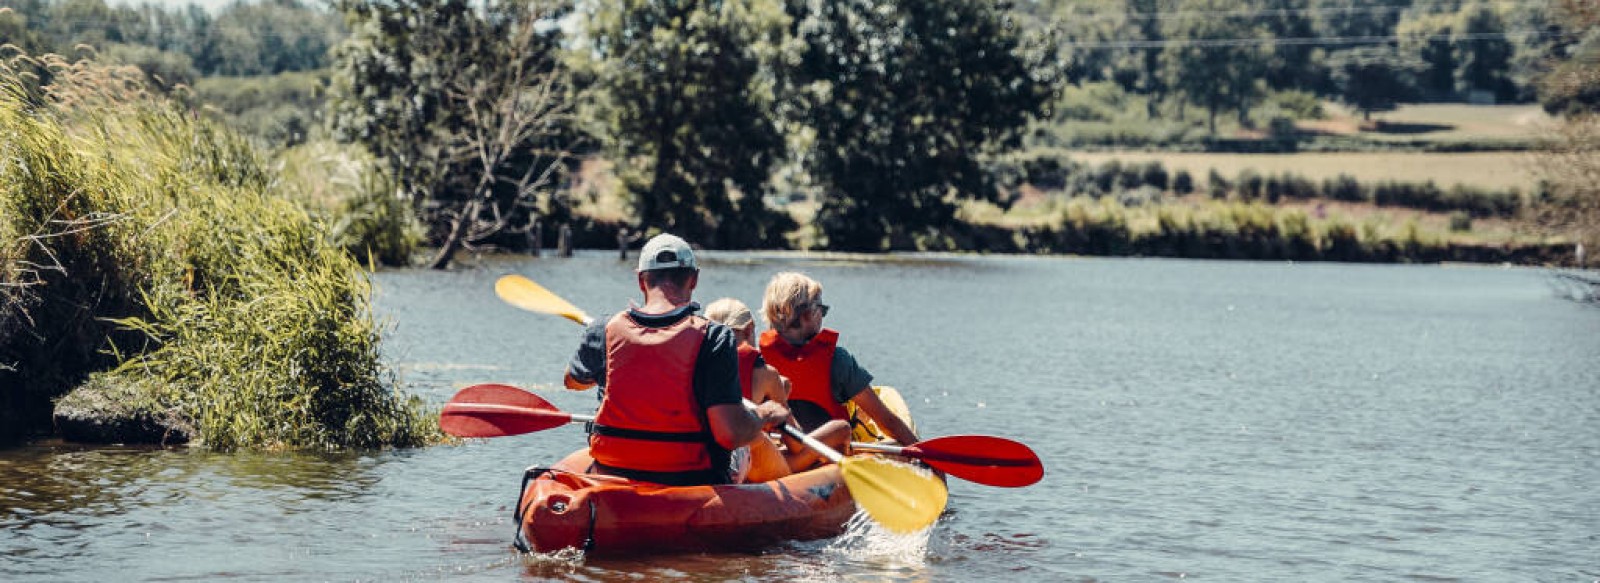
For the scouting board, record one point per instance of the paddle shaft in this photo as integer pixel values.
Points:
(811, 442)
(913, 451)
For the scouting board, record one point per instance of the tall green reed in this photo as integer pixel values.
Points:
(197, 286)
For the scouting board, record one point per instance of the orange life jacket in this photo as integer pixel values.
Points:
(747, 367)
(649, 419)
(808, 366)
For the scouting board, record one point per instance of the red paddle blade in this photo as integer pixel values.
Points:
(984, 459)
(497, 411)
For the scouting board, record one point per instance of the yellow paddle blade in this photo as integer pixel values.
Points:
(522, 292)
(901, 497)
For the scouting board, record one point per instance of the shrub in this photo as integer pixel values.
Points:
(1107, 177)
(363, 210)
(1183, 183)
(1460, 221)
(277, 110)
(1295, 186)
(1250, 185)
(1344, 187)
(1216, 185)
(218, 300)
(1298, 104)
(1154, 174)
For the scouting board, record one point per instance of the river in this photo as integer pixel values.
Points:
(1223, 421)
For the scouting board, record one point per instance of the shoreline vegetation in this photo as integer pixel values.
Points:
(152, 269)
(191, 205)
(218, 295)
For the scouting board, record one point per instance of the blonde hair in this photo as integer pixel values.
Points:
(787, 295)
(729, 312)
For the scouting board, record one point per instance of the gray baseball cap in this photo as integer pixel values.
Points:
(666, 251)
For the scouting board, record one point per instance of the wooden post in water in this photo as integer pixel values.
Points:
(535, 237)
(564, 242)
(626, 237)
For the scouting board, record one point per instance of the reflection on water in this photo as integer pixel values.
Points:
(74, 479)
(1221, 420)
(63, 502)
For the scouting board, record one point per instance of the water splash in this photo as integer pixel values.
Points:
(865, 542)
(561, 563)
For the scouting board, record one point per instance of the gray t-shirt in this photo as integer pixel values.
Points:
(846, 380)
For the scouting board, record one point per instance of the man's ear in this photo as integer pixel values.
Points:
(642, 286)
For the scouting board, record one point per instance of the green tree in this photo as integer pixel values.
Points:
(1569, 168)
(1426, 37)
(1570, 82)
(1218, 58)
(1484, 57)
(1105, 41)
(687, 97)
(1293, 65)
(70, 22)
(1374, 78)
(905, 99)
(466, 103)
(1354, 19)
(1147, 27)
(270, 37)
(16, 30)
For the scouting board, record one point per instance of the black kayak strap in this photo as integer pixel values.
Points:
(675, 437)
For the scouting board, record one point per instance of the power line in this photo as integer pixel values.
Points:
(1248, 12)
(1308, 40)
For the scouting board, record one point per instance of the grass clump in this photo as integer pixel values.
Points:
(343, 187)
(143, 244)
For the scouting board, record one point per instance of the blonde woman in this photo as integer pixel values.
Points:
(823, 375)
(762, 383)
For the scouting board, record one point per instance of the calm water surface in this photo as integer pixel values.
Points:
(1223, 421)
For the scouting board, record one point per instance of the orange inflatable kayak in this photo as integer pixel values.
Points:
(563, 507)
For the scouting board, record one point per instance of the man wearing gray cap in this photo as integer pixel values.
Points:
(671, 408)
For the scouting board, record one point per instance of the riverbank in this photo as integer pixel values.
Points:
(154, 287)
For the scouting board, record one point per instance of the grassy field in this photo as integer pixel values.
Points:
(1441, 122)
(1483, 169)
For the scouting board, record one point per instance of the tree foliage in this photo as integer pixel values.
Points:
(1427, 38)
(1571, 84)
(468, 106)
(687, 95)
(242, 38)
(268, 37)
(1220, 58)
(1293, 66)
(1484, 58)
(1374, 78)
(905, 99)
(1569, 169)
